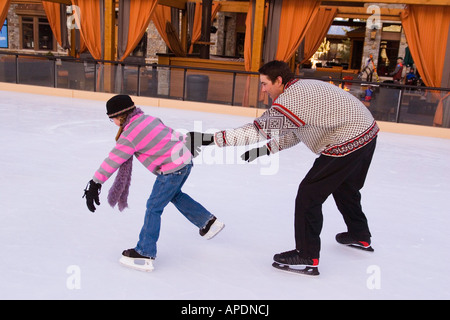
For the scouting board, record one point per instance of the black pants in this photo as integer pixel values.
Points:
(342, 177)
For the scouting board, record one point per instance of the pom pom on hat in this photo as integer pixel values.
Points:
(119, 104)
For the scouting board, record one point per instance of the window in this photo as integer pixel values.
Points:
(4, 35)
(27, 33)
(45, 35)
(387, 57)
(389, 46)
(36, 34)
(141, 48)
(388, 27)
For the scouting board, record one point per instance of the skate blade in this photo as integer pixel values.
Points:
(307, 270)
(360, 247)
(137, 264)
(216, 227)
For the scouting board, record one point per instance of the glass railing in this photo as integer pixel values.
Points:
(387, 101)
(410, 104)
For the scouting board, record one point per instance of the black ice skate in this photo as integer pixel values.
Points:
(130, 258)
(292, 261)
(346, 239)
(212, 228)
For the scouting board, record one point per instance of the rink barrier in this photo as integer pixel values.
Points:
(385, 126)
(229, 85)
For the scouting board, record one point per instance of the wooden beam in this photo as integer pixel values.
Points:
(233, 6)
(110, 22)
(422, 2)
(365, 17)
(184, 31)
(258, 35)
(66, 2)
(343, 5)
(226, 6)
(180, 4)
(109, 45)
(364, 11)
(389, 14)
(205, 36)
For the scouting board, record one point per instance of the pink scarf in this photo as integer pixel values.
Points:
(118, 194)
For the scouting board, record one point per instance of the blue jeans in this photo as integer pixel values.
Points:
(167, 188)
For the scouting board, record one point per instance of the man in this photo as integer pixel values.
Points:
(397, 74)
(333, 124)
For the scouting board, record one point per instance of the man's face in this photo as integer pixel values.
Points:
(273, 89)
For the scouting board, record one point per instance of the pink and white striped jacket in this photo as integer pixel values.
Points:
(159, 148)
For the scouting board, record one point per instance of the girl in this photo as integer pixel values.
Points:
(167, 154)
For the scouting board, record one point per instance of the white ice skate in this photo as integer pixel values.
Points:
(213, 227)
(130, 258)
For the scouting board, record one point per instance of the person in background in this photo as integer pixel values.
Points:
(397, 74)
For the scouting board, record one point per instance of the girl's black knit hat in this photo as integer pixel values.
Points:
(119, 104)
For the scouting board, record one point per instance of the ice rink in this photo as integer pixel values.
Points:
(54, 248)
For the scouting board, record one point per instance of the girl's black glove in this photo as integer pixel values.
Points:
(91, 193)
(195, 140)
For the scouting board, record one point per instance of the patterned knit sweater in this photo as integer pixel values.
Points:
(159, 148)
(327, 119)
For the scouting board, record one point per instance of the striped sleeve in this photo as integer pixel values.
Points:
(123, 150)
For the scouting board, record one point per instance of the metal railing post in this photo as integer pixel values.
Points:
(55, 74)
(17, 68)
(184, 83)
(95, 76)
(139, 80)
(233, 88)
(399, 105)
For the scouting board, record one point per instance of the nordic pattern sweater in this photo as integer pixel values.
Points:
(159, 148)
(327, 119)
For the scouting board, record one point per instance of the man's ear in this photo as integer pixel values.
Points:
(279, 81)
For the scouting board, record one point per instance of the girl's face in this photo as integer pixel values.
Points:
(116, 121)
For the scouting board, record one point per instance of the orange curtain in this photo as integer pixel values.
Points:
(4, 7)
(426, 30)
(317, 31)
(161, 15)
(140, 15)
(197, 26)
(89, 21)
(439, 115)
(52, 10)
(296, 17)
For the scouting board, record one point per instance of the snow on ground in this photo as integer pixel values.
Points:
(54, 248)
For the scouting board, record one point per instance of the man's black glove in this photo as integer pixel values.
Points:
(91, 193)
(252, 154)
(195, 140)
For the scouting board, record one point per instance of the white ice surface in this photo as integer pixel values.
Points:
(52, 247)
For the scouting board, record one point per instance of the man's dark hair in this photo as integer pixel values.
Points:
(275, 68)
